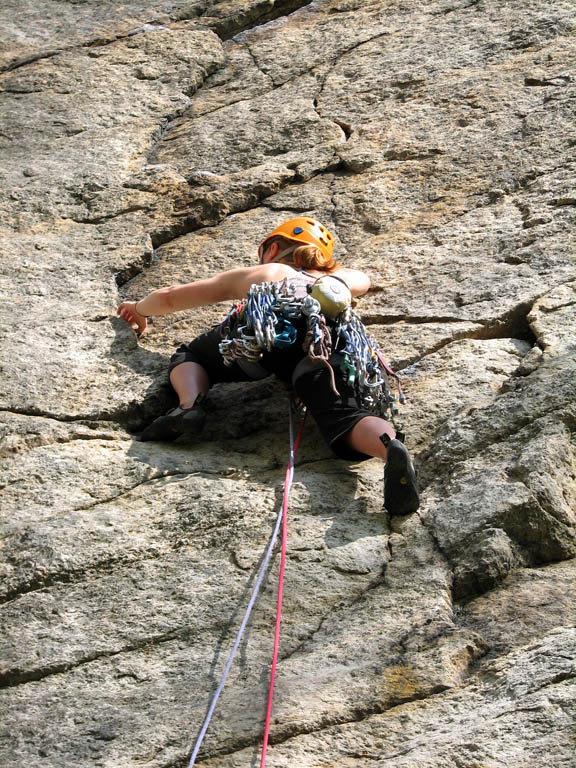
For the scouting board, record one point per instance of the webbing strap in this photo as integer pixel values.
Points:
(281, 517)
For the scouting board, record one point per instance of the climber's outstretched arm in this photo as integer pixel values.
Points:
(225, 286)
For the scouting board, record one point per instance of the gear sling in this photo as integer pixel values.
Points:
(335, 336)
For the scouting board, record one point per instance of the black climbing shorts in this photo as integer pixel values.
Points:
(205, 351)
(335, 415)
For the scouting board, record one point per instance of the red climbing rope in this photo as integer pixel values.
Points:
(281, 519)
(287, 487)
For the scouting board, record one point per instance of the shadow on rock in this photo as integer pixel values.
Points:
(159, 395)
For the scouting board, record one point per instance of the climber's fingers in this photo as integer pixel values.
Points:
(127, 311)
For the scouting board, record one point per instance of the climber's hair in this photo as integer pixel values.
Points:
(306, 256)
(311, 257)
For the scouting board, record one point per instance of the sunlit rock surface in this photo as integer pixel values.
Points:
(145, 144)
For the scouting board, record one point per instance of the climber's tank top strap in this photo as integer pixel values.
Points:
(297, 285)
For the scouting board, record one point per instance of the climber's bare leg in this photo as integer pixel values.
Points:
(189, 380)
(365, 436)
(400, 487)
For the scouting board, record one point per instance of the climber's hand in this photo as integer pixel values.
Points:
(127, 311)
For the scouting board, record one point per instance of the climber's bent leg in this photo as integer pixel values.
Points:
(376, 437)
(364, 437)
(356, 434)
(191, 383)
(194, 367)
(337, 416)
(189, 380)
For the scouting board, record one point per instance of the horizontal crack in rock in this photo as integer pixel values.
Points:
(98, 42)
(294, 731)
(512, 325)
(89, 420)
(16, 677)
(410, 319)
(125, 492)
(447, 11)
(97, 568)
(252, 17)
(77, 575)
(24, 61)
(203, 217)
(109, 217)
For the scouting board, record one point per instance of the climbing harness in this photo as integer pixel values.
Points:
(335, 335)
(280, 520)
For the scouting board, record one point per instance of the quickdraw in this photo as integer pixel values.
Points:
(265, 319)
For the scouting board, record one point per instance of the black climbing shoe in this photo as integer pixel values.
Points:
(400, 489)
(177, 422)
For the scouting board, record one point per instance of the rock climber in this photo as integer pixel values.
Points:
(297, 253)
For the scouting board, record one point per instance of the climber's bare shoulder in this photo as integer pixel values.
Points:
(225, 286)
(235, 284)
(355, 279)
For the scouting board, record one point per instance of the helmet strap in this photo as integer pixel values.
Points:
(282, 254)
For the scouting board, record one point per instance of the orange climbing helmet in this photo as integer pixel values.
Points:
(305, 231)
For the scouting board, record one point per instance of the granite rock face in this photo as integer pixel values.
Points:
(145, 144)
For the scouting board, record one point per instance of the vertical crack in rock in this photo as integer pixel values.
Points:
(259, 67)
(334, 610)
(235, 25)
(246, 46)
